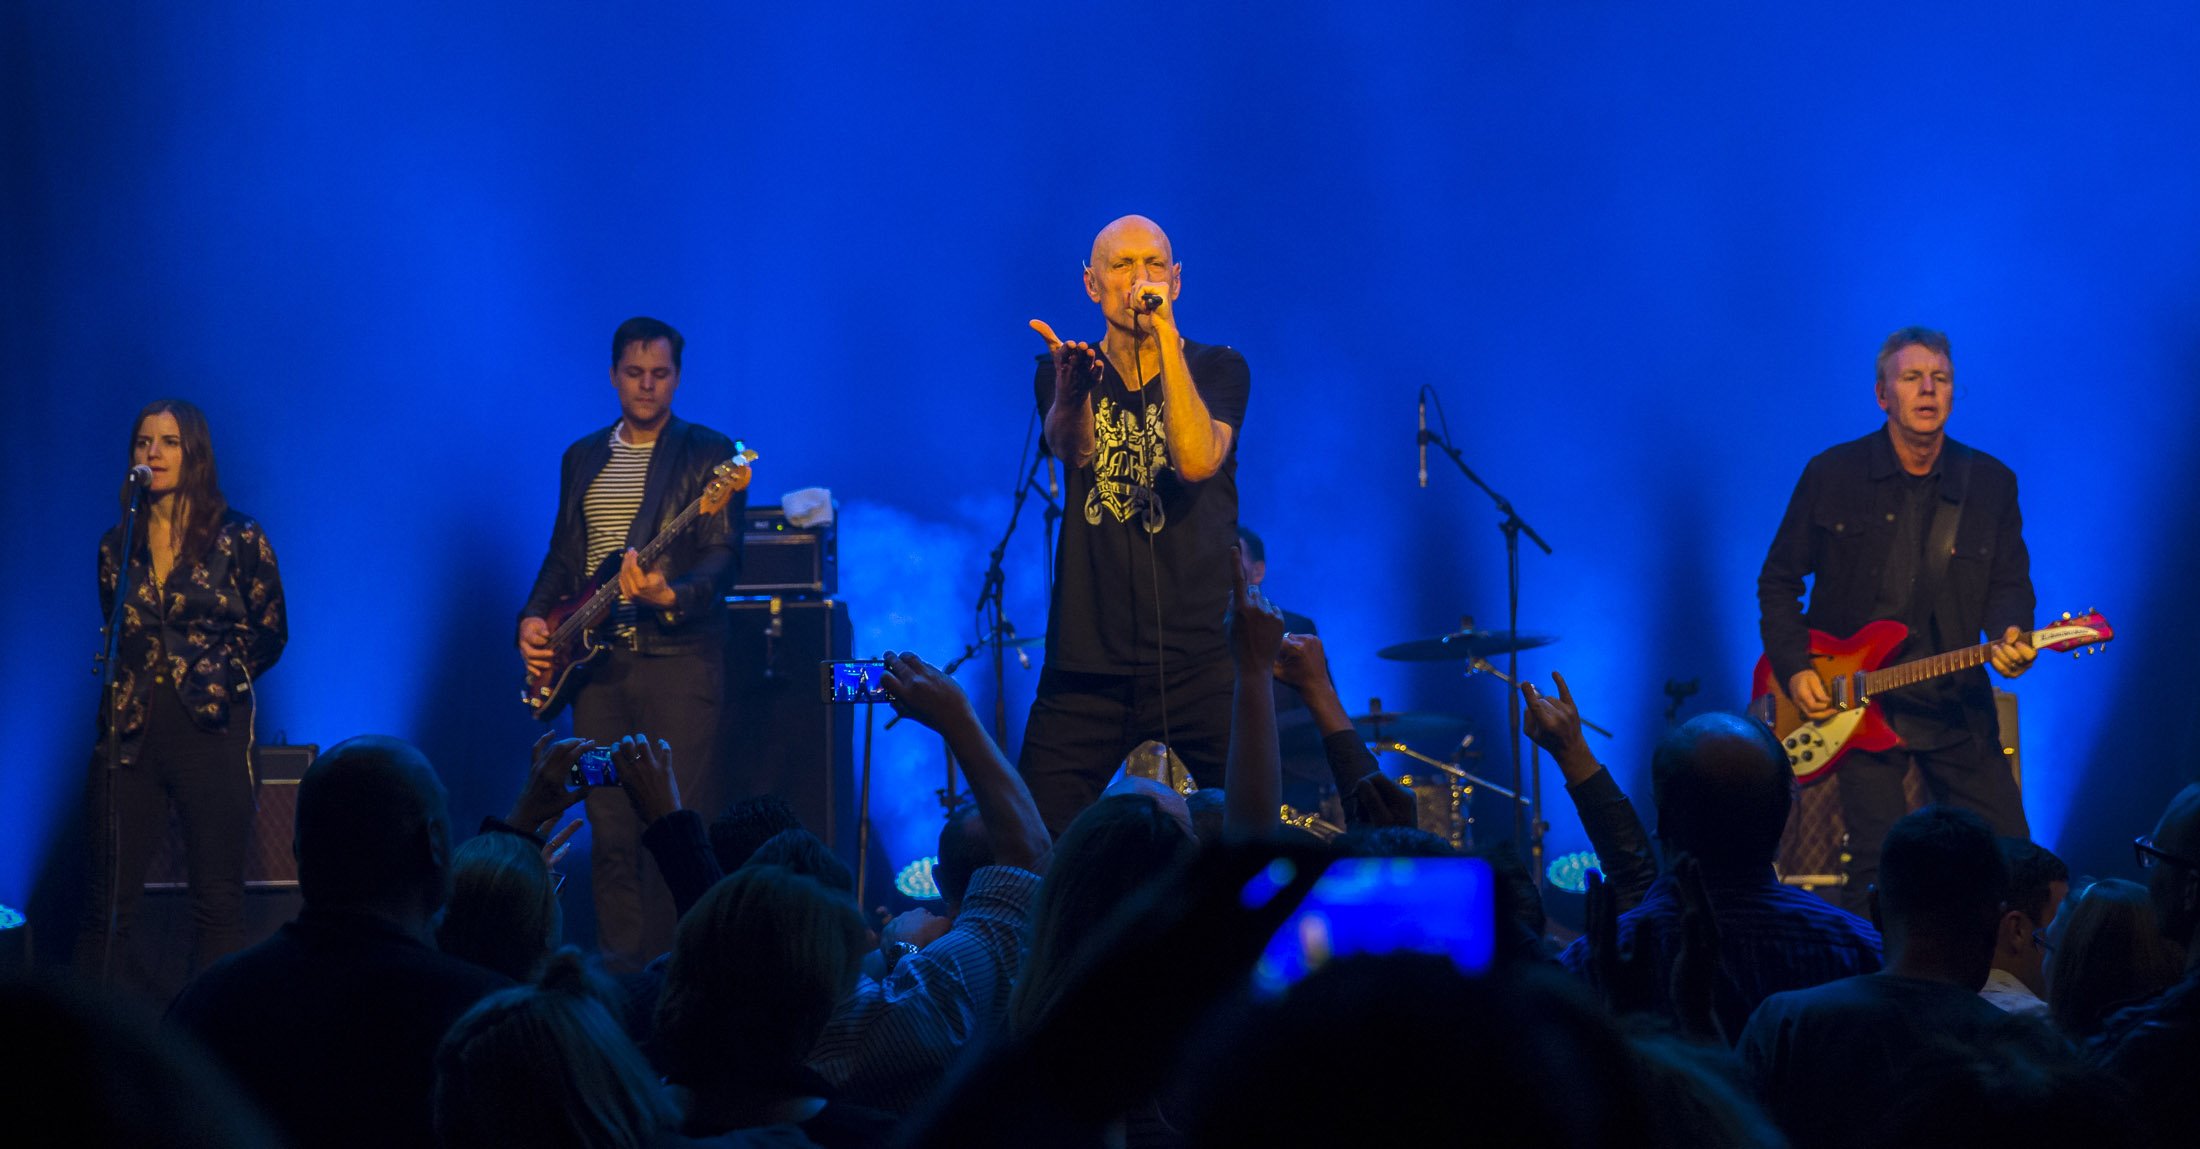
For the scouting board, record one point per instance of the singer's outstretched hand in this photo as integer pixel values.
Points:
(1067, 356)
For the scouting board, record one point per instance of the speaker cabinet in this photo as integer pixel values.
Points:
(779, 738)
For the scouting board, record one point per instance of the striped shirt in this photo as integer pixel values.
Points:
(890, 1044)
(610, 505)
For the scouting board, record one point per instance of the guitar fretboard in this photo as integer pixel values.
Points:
(600, 603)
(1932, 666)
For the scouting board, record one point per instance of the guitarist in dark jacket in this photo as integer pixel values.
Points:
(617, 487)
(1864, 521)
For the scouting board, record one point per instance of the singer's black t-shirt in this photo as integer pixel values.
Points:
(1143, 572)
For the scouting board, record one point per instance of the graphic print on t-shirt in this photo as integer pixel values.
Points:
(1132, 450)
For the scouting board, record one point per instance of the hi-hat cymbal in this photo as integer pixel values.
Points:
(1301, 741)
(1460, 645)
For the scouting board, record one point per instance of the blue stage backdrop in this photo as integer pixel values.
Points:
(1645, 254)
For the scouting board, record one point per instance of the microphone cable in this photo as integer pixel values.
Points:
(1152, 488)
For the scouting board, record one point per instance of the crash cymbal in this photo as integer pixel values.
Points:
(1461, 645)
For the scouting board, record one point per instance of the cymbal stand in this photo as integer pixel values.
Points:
(1479, 665)
(951, 795)
(1527, 822)
(1452, 769)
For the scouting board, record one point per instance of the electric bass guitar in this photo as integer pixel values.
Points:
(578, 636)
(1855, 675)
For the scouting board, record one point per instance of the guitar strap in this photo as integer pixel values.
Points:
(669, 453)
(1940, 541)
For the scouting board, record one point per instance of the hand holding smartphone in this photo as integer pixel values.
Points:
(595, 768)
(853, 680)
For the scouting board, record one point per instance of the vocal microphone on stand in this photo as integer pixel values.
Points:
(135, 484)
(1422, 438)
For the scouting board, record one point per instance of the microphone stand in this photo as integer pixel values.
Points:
(989, 602)
(105, 665)
(998, 629)
(1514, 526)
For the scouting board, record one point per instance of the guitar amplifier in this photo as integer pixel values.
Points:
(268, 863)
(779, 558)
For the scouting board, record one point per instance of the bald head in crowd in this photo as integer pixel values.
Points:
(373, 831)
(2174, 886)
(1723, 788)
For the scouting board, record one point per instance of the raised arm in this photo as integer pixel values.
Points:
(1199, 443)
(1012, 824)
(1252, 787)
(1615, 831)
(1370, 797)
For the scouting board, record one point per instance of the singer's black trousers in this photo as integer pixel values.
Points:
(1083, 725)
(207, 776)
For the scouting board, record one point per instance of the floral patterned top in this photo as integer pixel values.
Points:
(217, 624)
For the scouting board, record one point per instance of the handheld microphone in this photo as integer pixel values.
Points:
(1150, 299)
(1422, 438)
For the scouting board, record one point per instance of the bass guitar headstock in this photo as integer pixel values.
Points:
(727, 478)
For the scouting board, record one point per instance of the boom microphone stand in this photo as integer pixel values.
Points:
(990, 611)
(1514, 526)
(105, 665)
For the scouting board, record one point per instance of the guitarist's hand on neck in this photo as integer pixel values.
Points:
(648, 587)
(1808, 692)
(2011, 656)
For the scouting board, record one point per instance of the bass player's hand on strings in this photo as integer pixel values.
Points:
(534, 644)
(644, 586)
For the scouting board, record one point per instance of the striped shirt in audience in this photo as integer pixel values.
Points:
(890, 1043)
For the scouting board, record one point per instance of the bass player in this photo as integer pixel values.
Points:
(617, 487)
(1910, 525)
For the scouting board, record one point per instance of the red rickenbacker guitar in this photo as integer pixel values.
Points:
(577, 635)
(1854, 677)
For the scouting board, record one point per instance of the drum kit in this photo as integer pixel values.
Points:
(1437, 747)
